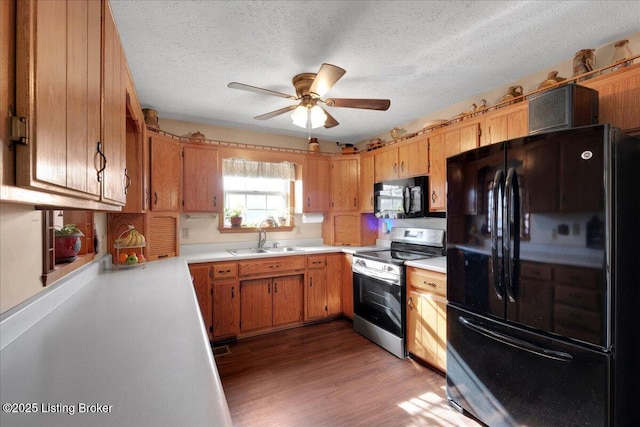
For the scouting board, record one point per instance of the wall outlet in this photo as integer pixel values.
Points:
(575, 229)
(185, 233)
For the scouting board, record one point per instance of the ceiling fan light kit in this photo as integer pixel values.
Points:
(308, 117)
(310, 88)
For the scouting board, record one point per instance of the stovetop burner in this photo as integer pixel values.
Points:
(408, 244)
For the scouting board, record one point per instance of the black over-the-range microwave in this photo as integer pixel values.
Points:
(403, 198)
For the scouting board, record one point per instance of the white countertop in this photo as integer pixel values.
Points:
(131, 341)
(438, 264)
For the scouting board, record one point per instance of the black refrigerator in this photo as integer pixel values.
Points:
(543, 280)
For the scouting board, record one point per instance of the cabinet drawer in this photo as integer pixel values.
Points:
(536, 271)
(225, 270)
(316, 261)
(581, 277)
(575, 297)
(427, 280)
(271, 266)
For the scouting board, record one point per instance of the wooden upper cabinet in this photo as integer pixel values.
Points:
(315, 181)
(58, 72)
(413, 157)
(507, 123)
(367, 180)
(386, 164)
(618, 94)
(114, 112)
(165, 173)
(344, 183)
(201, 179)
(437, 173)
(137, 154)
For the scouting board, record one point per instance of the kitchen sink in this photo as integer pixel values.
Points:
(247, 251)
(285, 249)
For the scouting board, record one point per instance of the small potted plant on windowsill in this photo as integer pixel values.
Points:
(68, 243)
(234, 215)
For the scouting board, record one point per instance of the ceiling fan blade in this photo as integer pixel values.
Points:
(327, 76)
(330, 122)
(367, 104)
(242, 86)
(275, 113)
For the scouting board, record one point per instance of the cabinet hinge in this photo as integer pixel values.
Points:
(18, 129)
(326, 308)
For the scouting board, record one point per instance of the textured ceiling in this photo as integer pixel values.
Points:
(422, 55)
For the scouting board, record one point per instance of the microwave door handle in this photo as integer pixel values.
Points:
(495, 259)
(512, 201)
(406, 199)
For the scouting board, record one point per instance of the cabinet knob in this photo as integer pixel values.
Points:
(233, 292)
(308, 201)
(402, 166)
(155, 197)
(433, 196)
(433, 285)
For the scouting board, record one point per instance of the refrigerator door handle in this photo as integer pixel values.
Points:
(496, 189)
(515, 342)
(511, 207)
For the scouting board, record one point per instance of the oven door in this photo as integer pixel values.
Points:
(380, 302)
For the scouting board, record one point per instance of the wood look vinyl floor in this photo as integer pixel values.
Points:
(328, 375)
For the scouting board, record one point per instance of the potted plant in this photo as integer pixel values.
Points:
(68, 243)
(234, 215)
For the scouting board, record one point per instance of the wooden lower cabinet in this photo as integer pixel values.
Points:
(226, 309)
(203, 286)
(347, 285)
(323, 291)
(270, 302)
(427, 317)
(216, 288)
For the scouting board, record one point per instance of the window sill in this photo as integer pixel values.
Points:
(243, 229)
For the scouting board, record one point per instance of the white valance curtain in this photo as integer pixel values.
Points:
(252, 169)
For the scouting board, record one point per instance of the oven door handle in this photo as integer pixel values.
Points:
(391, 281)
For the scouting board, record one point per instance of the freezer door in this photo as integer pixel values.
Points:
(506, 376)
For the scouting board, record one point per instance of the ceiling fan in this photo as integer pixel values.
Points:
(310, 87)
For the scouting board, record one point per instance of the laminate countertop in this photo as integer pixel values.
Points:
(117, 347)
(125, 348)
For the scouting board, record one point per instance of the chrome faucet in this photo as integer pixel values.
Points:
(262, 235)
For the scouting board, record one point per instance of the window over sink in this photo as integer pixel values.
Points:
(255, 191)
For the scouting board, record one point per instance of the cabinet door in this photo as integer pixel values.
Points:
(347, 285)
(137, 171)
(334, 284)
(413, 157)
(469, 137)
(256, 304)
(316, 294)
(161, 231)
(201, 183)
(315, 185)
(512, 122)
(203, 286)
(287, 299)
(344, 184)
(618, 95)
(386, 164)
(437, 173)
(226, 308)
(367, 180)
(346, 229)
(419, 321)
(165, 173)
(58, 78)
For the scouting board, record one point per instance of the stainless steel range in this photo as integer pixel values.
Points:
(379, 288)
